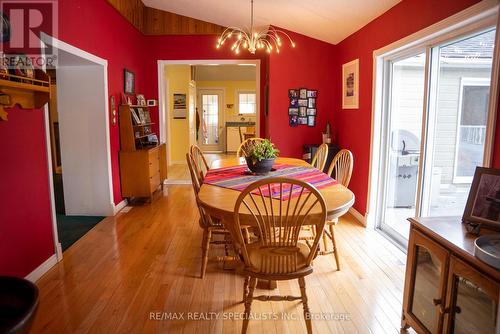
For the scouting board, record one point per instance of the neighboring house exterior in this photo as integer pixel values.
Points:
(461, 106)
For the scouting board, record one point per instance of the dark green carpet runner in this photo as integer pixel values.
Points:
(72, 228)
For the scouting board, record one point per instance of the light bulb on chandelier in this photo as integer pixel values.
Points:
(253, 40)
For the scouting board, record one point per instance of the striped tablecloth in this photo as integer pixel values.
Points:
(236, 178)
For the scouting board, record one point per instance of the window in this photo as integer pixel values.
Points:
(471, 131)
(246, 103)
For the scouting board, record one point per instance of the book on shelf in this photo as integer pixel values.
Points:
(147, 117)
(142, 116)
(135, 117)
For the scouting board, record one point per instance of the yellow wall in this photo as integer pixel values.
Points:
(178, 77)
(230, 93)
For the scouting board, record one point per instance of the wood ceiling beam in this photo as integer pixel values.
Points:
(152, 21)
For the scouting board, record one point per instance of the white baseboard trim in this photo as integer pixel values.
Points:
(59, 252)
(120, 206)
(42, 269)
(177, 181)
(359, 217)
(177, 162)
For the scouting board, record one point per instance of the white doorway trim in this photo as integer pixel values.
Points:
(475, 18)
(60, 45)
(163, 86)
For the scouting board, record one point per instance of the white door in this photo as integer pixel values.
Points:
(211, 131)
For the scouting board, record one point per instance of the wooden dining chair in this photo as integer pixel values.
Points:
(199, 162)
(209, 225)
(246, 145)
(278, 254)
(341, 167)
(319, 159)
(341, 170)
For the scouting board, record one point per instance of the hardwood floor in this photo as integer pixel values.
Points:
(147, 260)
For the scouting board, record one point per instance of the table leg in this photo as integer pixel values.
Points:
(267, 285)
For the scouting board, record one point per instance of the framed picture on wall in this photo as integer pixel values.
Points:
(129, 79)
(312, 93)
(302, 120)
(311, 102)
(311, 112)
(303, 93)
(302, 111)
(303, 103)
(311, 120)
(350, 85)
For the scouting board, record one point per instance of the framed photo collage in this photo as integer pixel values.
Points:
(302, 108)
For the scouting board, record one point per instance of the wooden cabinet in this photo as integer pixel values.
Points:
(143, 165)
(233, 139)
(142, 171)
(472, 301)
(448, 290)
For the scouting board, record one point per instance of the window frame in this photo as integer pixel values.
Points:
(240, 92)
(464, 82)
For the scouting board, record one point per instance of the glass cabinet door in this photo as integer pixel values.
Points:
(427, 288)
(472, 302)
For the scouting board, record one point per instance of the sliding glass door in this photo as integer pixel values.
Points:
(457, 128)
(403, 141)
(434, 129)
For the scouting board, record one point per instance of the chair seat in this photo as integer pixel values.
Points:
(277, 260)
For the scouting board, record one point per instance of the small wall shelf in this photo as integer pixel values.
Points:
(26, 92)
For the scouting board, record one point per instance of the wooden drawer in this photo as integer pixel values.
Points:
(154, 181)
(153, 153)
(142, 171)
(154, 165)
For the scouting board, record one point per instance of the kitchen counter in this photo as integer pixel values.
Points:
(239, 124)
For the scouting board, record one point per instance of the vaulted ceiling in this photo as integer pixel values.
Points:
(327, 20)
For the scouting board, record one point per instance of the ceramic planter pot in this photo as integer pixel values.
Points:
(260, 167)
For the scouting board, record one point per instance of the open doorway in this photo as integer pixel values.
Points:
(78, 143)
(213, 105)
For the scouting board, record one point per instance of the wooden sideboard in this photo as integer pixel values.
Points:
(143, 166)
(143, 171)
(447, 289)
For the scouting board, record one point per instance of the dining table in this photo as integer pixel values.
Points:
(219, 201)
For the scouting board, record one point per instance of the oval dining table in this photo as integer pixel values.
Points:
(219, 202)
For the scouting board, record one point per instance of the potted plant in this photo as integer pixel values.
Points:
(260, 157)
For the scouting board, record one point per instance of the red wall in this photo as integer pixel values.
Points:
(309, 65)
(353, 127)
(26, 238)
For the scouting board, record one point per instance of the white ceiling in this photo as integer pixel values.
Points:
(327, 20)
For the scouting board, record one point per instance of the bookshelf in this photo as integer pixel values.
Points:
(143, 164)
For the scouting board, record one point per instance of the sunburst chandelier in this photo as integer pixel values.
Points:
(251, 40)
